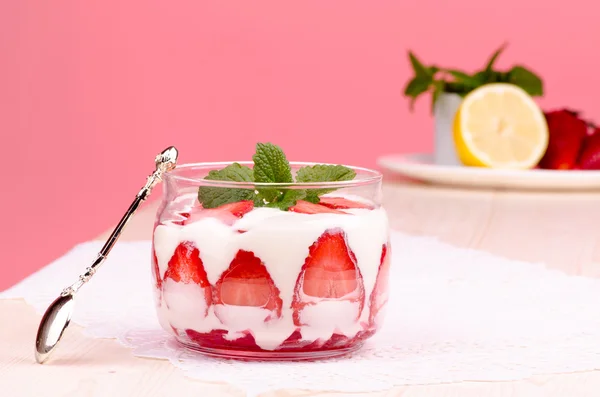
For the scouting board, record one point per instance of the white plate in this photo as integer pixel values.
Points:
(422, 167)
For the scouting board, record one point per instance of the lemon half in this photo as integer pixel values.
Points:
(500, 126)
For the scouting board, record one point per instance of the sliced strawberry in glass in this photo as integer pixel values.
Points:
(337, 341)
(185, 267)
(329, 274)
(227, 213)
(217, 339)
(342, 203)
(238, 209)
(379, 296)
(247, 284)
(305, 207)
(156, 269)
(295, 342)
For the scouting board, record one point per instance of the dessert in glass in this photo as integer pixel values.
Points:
(269, 259)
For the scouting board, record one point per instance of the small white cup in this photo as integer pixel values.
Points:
(443, 112)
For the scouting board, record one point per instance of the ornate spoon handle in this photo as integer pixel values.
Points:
(58, 315)
(165, 161)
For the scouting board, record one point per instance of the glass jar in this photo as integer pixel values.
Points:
(253, 282)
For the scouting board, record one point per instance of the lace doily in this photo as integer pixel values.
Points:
(454, 314)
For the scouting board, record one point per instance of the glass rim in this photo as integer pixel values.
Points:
(369, 176)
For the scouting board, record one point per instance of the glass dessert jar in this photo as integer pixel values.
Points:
(304, 281)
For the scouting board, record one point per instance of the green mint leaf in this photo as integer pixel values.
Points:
(266, 196)
(482, 78)
(415, 88)
(456, 87)
(421, 82)
(271, 165)
(464, 78)
(500, 77)
(234, 172)
(312, 195)
(418, 67)
(494, 57)
(212, 197)
(527, 80)
(288, 198)
(323, 173)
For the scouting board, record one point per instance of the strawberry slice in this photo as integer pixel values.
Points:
(342, 203)
(330, 270)
(186, 266)
(379, 296)
(156, 270)
(216, 339)
(337, 341)
(247, 283)
(305, 207)
(238, 209)
(295, 343)
(329, 273)
(227, 213)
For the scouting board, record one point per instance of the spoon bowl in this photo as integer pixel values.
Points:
(53, 324)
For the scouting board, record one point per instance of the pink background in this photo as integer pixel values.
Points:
(90, 91)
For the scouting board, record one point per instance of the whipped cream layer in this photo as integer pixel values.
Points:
(281, 240)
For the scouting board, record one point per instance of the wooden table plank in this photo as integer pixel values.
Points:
(559, 229)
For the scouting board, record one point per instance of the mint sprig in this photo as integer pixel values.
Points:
(270, 166)
(439, 80)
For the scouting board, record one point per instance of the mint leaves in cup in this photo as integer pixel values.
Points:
(438, 80)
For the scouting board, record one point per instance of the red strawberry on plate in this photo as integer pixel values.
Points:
(227, 213)
(379, 296)
(305, 207)
(329, 274)
(342, 203)
(589, 159)
(567, 132)
(247, 283)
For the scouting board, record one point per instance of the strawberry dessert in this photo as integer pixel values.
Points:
(271, 260)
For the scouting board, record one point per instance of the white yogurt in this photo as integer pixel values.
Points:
(281, 240)
(323, 319)
(185, 304)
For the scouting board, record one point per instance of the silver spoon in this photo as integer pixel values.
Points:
(58, 315)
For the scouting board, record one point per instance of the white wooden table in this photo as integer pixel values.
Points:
(559, 229)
